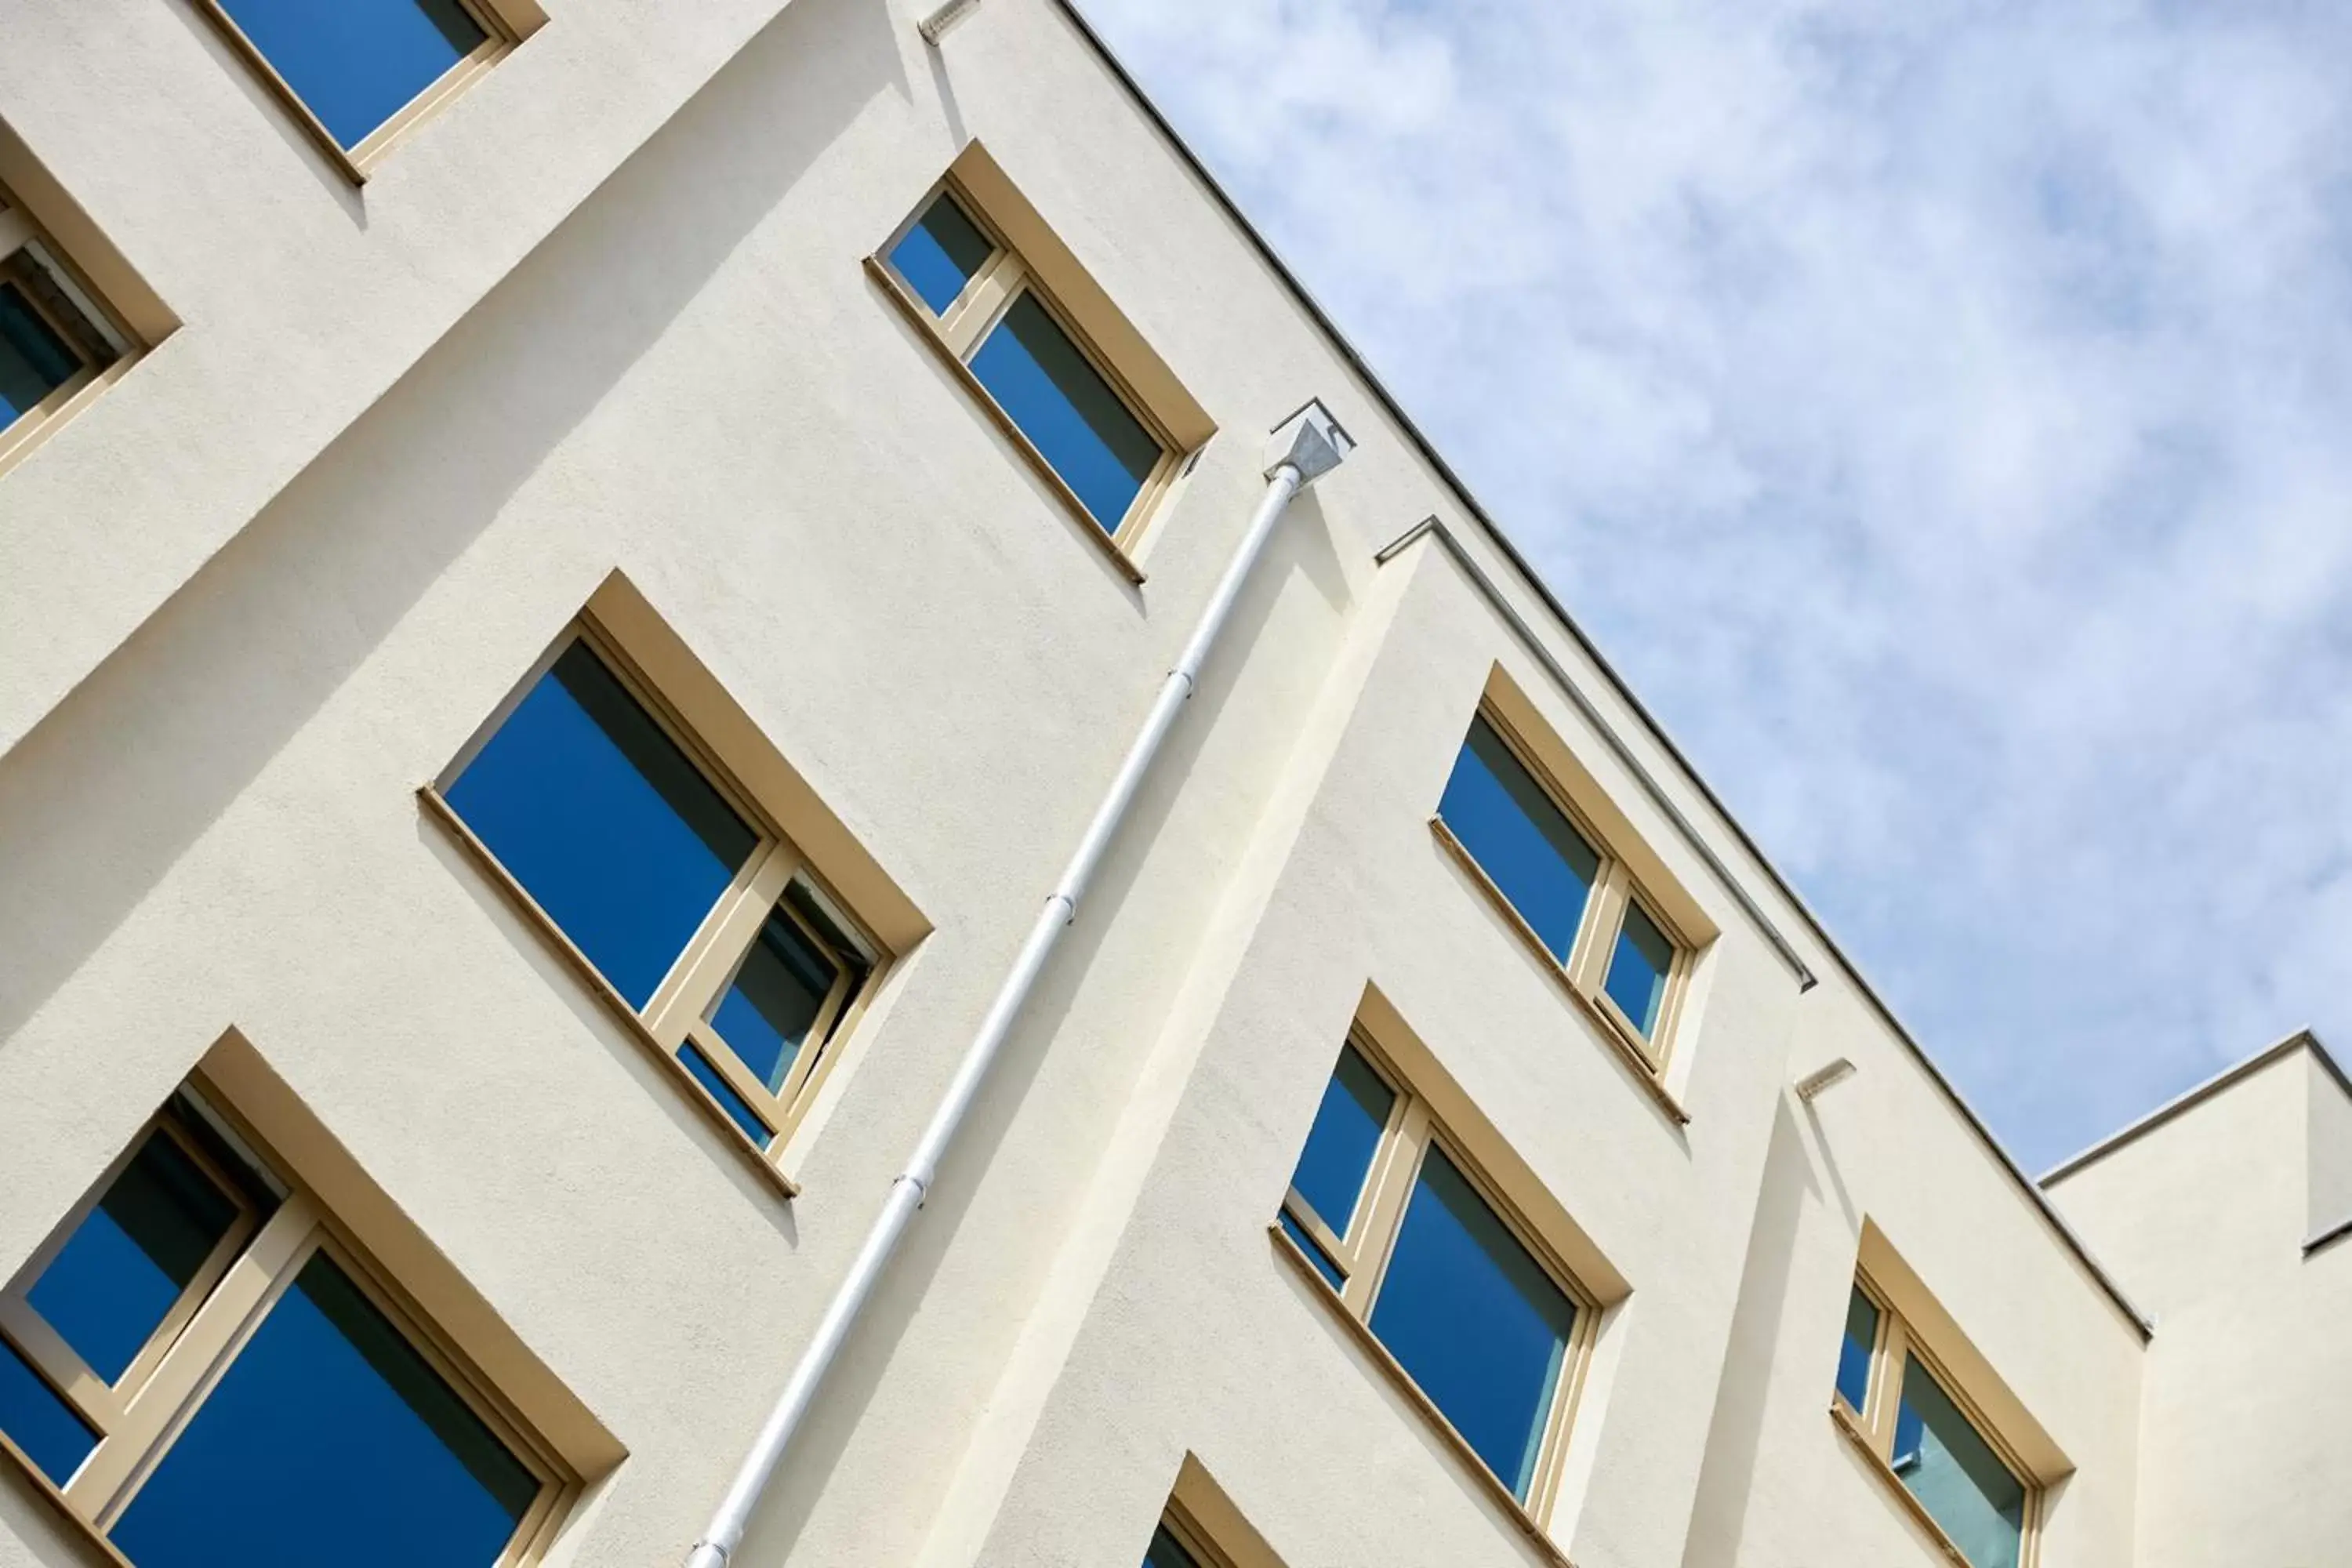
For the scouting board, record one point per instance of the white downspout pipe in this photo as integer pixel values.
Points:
(1307, 446)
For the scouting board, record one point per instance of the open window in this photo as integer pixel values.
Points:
(671, 886)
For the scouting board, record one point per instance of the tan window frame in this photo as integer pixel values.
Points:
(677, 1013)
(139, 1418)
(1364, 1254)
(500, 34)
(960, 330)
(1586, 972)
(20, 233)
(1189, 1536)
(1872, 1427)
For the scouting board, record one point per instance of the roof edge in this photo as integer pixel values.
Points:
(2189, 1100)
(1427, 450)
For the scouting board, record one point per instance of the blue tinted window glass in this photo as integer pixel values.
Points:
(1853, 1356)
(1341, 1145)
(1955, 1475)
(605, 821)
(1049, 389)
(109, 1286)
(737, 1109)
(1524, 842)
(941, 254)
(1638, 968)
(1475, 1320)
(33, 361)
(1167, 1551)
(330, 1428)
(39, 1422)
(1314, 1250)
(356, 63)
(765, 1016)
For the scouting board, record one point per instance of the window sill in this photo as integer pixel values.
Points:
(445, 815)
(1635, 1060)
(21, 439)
(1511, 1507)
(1853, 1433)
(354, 164)
(100, 1549)
(928, 329)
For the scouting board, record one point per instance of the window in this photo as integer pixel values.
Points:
(1392, 1216)
(705, 926)
(988, 309)
(1571, 898)
(357, 72)
(208, 1372)
(1168, 1549)
(55, 340)
(1895, 1402)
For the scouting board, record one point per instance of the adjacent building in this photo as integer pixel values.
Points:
(571, 571)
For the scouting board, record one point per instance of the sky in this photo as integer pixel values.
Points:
(1941, 413)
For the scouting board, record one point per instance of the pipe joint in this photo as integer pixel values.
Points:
(1304, 447)
(1310, 444)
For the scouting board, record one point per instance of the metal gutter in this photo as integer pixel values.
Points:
(2181, 1104)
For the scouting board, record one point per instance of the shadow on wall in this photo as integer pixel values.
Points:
(115, 784)
(1303, 552)
(1735, 1434)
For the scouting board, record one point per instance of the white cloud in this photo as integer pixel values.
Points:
(1941, 414)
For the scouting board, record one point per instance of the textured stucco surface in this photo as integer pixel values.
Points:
(607, 313)
(2205, 1217)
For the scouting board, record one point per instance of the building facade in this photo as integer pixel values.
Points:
(569, 580)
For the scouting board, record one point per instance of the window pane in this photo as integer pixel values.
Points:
(942, 253)
(1639, 967)
(33, 361)
(330, 1438)
(1955, 1474)
(765, 1014)
(109, 1286)
(1168, 1552)
(605, 821)
(1853, 1356)
(356, 63)
(1314, 1250)
(39, 1422)
(1471, 1315)
(1524, 842)
(1341, 1145)
(1039, 378)
(848, 949)
(734, 1104)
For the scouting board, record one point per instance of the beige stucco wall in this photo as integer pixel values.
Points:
(272, 581)
(1888, 1148)
(2207, 1215)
